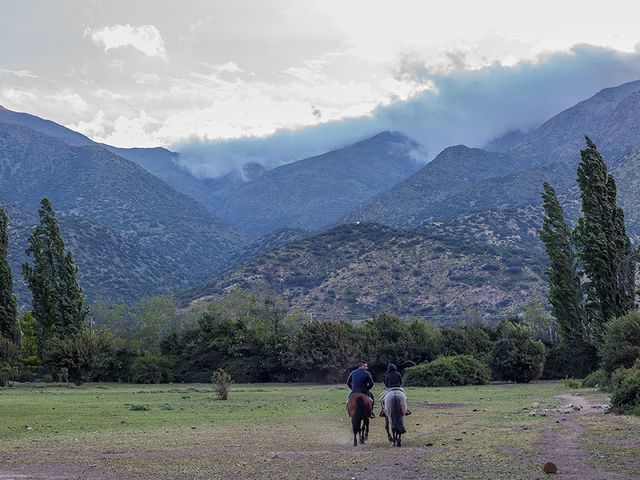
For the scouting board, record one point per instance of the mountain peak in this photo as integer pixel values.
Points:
(390, 136)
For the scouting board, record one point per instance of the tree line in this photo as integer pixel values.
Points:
(252, 336)
(592, 289)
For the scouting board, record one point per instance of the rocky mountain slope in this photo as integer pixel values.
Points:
(360, 269)
(126, 222)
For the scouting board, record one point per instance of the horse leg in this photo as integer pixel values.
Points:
(355, 439)
(366, 429)
(399, 442)
(386, 427)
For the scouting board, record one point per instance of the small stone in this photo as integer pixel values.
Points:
(535, 405)
(550, 468)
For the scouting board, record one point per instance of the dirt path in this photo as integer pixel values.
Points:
(564, 446)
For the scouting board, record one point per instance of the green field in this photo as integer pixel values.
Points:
(302, 431)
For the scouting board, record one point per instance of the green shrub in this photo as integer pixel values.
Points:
(448, 371)
(573, 383)
(467, 340)
(80, 353)
(221, 381)
(597, 379)
(621, 342)
(516, 356)
(8, 374)
(9, 353)
(573, 361)
(152, 369)
(139, 407)
(625, 395)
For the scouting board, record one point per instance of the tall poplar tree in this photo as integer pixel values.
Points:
(8, 313)
(565, 289)
(58, 300)
(604, 248)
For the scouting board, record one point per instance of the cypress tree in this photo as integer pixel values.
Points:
(565, 289)
(58, 300)
(603, 245)
(8, 313)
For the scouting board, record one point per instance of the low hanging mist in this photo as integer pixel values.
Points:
(458, 106)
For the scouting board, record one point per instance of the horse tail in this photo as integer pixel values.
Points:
(358, 415)
(397, 418)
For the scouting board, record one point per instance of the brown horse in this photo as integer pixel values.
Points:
(359, 409)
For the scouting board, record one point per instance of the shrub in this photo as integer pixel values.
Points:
(139, 407)
(625, 395)
(221, 381)
(9, 353)
(80, 353)
(8, 374)
(597, 379)
(621, 342)
(152, 369)
(466, 340)
(573, 361)
(573, 383)
(448, 371)
(516, 357)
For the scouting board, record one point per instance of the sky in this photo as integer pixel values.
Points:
(225, 82)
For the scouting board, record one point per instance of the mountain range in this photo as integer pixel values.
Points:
(126, 223)
(351, 232)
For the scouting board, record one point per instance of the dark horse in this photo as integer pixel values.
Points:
(395, 409)
(359, 409)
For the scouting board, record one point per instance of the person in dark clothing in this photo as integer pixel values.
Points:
(392, 379)
(360, 380)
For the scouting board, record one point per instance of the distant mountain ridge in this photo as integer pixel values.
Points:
(315, 192)
(476, 213)
(167, 234)
(158, 161)
(356, 231)
(463, 180)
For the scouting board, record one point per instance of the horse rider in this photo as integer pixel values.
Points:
(392, 379)
(361, 381)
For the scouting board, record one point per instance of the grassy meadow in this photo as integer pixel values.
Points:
(302, 431)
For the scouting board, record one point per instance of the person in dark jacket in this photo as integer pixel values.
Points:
(392, 379)
(360, 380)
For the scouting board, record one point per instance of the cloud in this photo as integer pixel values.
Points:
(145, 38)
(456, 105)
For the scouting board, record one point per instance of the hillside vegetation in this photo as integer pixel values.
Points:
(368, 268)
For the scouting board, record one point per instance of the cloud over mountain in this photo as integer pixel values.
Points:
(456, 105)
